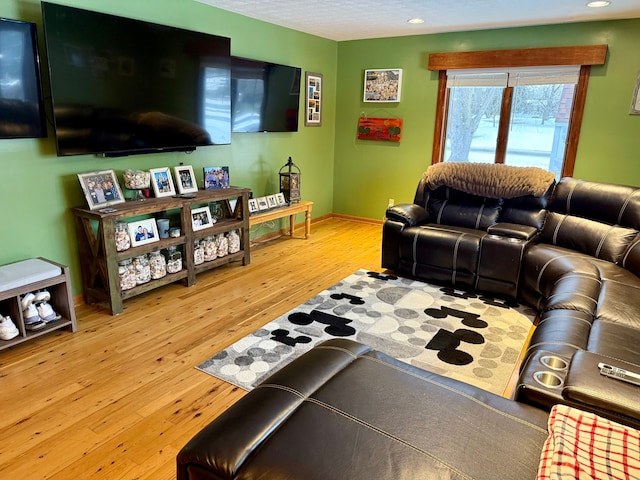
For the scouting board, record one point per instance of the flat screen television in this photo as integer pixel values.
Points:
(21, 104)
(121, 86)
(265, 97)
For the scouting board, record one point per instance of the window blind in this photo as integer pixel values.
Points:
(512, 77)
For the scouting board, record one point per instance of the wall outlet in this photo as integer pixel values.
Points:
(391, 202)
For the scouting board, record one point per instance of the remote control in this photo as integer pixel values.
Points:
(619, 373)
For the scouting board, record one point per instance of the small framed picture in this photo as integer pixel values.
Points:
(185, 179)
(143, 232)
(263, 204)
(101, 189)
(216, 177)
(382, 85)
(272, 201)
(201, 218)
(635, 99)
(313, 117)
(162, 182)
(253, 206)
(280, 200)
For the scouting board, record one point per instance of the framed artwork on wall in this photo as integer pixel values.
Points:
(101, 189)
(382, 85)
(162, 182)
(185, 179)
(313, 114)
(635, 100)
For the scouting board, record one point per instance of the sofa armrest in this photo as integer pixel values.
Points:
(585, 385)
(513, 230)
(408, 213)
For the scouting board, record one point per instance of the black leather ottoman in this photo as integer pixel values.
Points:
(344, 411)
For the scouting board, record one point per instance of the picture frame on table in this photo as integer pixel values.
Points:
(382, 85)
(143, 232)
(162, 182)
(201, 218)
(101, 189)
(272, 201)
(216, 178)
(253, 206)
(280, 200)
(313, 114)
(185, 179)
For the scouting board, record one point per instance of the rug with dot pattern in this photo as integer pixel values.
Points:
(467, 336)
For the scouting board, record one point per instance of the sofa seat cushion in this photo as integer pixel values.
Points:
(344, 411)
(553, 335)
(620, 303)
(441, 253)
(615, 340)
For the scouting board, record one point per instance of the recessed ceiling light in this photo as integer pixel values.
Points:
(598, 3)
(415, 21)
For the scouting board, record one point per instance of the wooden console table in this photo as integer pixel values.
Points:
(289, 211)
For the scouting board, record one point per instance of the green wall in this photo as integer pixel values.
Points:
(369, 173)
(37, 188)
(339, 173)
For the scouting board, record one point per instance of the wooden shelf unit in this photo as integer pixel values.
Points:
(97, 248)
(59, 287)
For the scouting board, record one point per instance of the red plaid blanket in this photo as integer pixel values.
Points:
(585, 446)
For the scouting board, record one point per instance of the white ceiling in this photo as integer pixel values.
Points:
(359, 19)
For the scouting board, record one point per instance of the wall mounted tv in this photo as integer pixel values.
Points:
(121, 86)
(21, 105)
(265, 97)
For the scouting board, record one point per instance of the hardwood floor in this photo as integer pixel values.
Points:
(120, 397)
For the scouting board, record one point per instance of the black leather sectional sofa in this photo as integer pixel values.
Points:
(344, 411)
(573, 252)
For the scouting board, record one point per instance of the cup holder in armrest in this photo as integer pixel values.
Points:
(554, 362)
(548, 379)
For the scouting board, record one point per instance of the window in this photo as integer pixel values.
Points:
(517, 112)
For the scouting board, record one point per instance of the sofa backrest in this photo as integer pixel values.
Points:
(448, 206)
(598, 219)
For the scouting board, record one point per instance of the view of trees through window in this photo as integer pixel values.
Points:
(537, 125)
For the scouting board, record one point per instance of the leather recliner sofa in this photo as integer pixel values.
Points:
(345, 411)
(579, 267)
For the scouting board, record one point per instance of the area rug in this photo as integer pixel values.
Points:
(467, 336)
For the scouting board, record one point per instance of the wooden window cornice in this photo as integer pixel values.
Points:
(520, 57)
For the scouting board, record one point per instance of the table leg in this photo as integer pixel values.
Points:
(292, 225)
(307, 223)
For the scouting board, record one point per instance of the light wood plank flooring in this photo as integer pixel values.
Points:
(120, 397)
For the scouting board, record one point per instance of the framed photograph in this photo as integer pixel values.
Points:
(216, 177)
(143, 232)
(382, 85)
(253, 206)
(635, 100)
(280, 200)
(272, 201)
(313, 116)
(162, 182)
(263, 204)
(185, 179)
(201, 218)
(101, 189)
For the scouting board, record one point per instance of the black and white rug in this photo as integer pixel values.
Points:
(468, 336)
